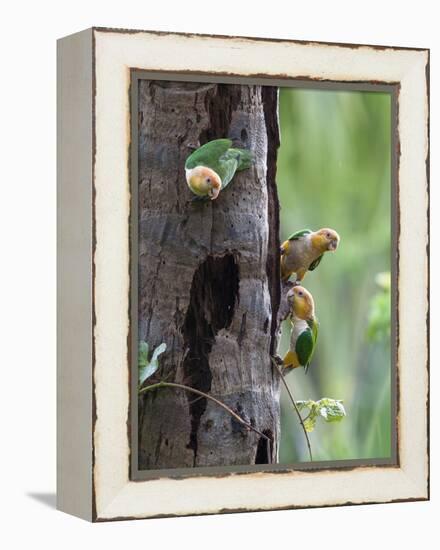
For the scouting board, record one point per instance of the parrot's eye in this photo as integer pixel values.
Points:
(208, 180)
(300, 293)
(328, 235)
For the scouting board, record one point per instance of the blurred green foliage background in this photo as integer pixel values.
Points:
(334, 170)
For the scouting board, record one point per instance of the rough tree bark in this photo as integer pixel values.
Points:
(208, 277)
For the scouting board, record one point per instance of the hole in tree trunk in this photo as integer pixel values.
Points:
(214, 292)
(264, 449)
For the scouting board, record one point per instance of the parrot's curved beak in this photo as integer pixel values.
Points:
(215, 190)
(333, 245)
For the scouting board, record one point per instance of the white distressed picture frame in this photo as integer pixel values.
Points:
(94, 277)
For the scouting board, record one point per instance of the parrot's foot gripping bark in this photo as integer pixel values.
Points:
(278, 360)
(298, 278)
(193, 146)
(196, 198)
(281, 366)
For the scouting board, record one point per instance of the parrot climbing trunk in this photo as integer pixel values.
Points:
(209, 277)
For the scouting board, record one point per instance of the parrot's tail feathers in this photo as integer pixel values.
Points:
(244, 158)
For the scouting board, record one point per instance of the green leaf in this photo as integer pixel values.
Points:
(143, 353)
(159, 350)
(148, 368)
(304, 404)
(147, 371)
(331, 410)
(310, 422)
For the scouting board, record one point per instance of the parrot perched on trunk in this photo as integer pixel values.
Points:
(304, 329)
(212, 166)
(304, 249)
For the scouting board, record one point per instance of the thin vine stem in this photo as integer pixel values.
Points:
(203, 394)
(295, 407)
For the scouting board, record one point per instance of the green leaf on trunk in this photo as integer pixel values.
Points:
(143, 353)
(148, 368)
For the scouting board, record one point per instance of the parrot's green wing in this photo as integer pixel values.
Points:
(314, 326)
(299, 234)
(315, 263)
(226, 168)
(304, 348)
(208, 154)
(243, 157)
(232, 161)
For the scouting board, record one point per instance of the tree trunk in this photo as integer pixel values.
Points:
(208, 277)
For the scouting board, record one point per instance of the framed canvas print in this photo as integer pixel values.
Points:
(242, 274)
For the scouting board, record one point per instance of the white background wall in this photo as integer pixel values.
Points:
(27, 272)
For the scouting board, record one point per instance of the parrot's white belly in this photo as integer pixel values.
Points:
(299, 326)
(301, 254)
